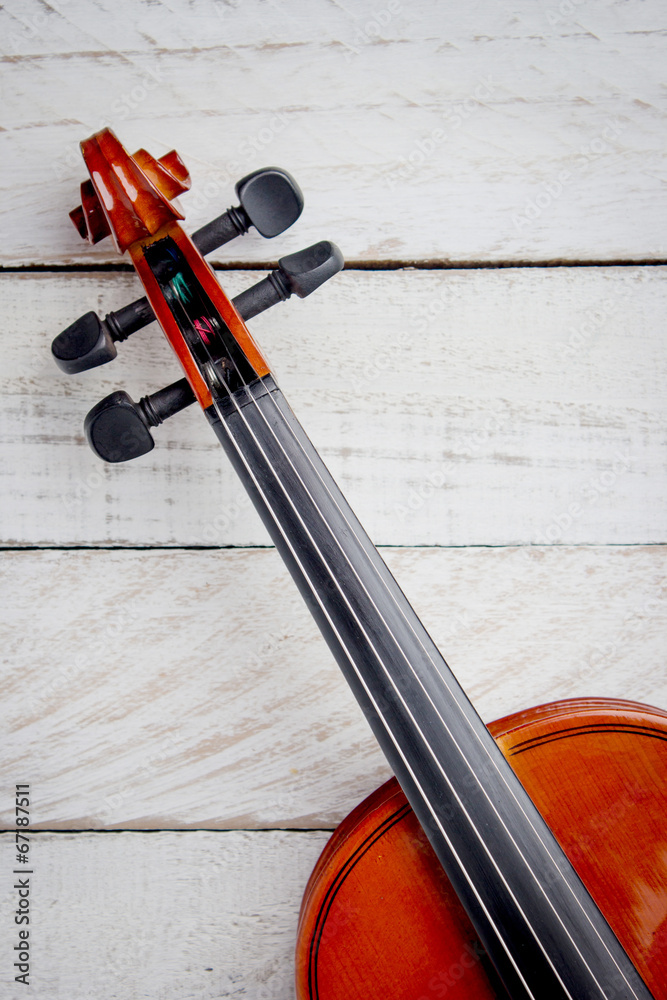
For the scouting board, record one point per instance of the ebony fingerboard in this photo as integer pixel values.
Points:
(543, 932)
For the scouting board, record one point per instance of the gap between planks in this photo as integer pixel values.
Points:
(322, 828)
(354, 265)
(180, 547)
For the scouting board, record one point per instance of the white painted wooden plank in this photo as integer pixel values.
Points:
(184, 689)
(160, 916)
(515, 131)
(460, 407)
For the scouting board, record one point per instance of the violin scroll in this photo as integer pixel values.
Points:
(132, 199)
(269, 199)
(168, 174)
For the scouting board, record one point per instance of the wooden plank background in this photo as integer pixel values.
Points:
(497, 421)
(505, 131)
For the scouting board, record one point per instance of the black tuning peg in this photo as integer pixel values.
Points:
(91, 341)
(298, 273)
(270, 200)
(118, 429)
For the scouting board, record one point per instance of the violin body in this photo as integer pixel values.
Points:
(380, 920)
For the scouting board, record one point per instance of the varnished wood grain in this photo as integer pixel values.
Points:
(379, 917)
(418, 130)
(186, 689)
(465, 407)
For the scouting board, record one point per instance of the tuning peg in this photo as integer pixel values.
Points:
(91, 341)
(270, 200)
(298, 273)
(118, 429)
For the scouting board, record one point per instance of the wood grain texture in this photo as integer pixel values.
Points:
(466, 407)
(137, 689)
(419, 131)
(380, 917)
(140, 692)
(169, 915)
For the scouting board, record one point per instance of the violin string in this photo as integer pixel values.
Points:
(349, 655)
(452, 691)
(378, 711)
(415, 724)
(282, 417)
(455, 691)
(241, 415)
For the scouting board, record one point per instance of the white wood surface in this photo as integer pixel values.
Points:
(419, 130)
(502, 431)
(460, 407)
(191, 689)
(172, 916)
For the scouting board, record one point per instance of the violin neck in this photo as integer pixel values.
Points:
(544, 934)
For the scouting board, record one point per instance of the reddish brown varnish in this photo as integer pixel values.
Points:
(131, 198)
(208, 281)
(380, 921)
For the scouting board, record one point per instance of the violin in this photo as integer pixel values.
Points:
(524, 860)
